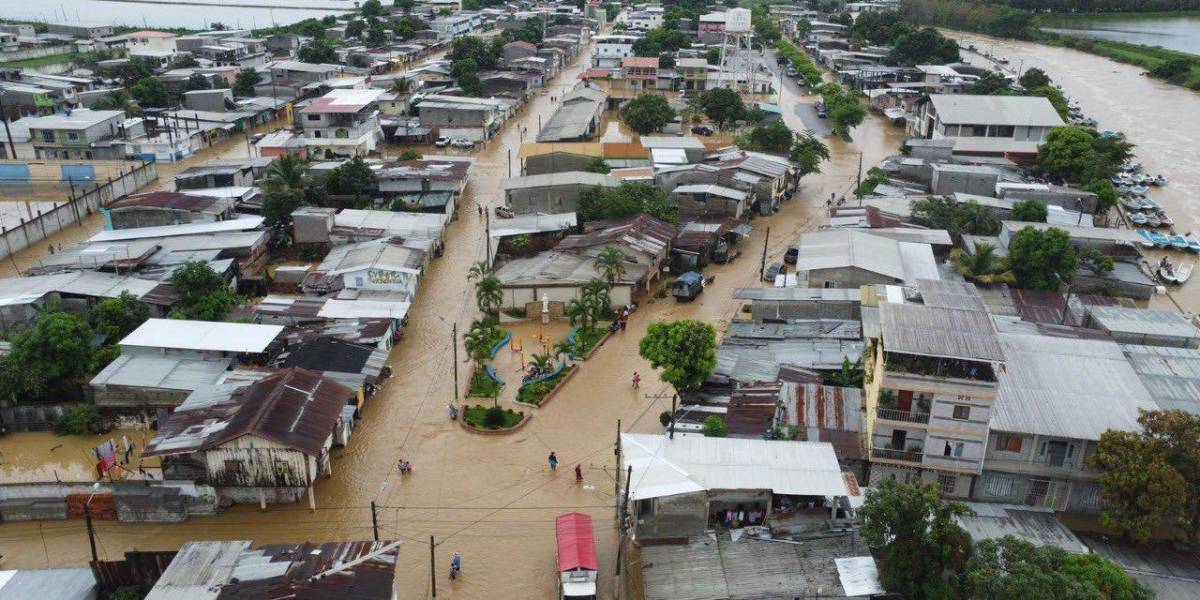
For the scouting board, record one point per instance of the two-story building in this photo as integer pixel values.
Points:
(610, 49)
(980, 125)
(79, 134)
(640, 72)
(931, 388)
(342, 123)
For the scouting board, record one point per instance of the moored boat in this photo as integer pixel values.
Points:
(1179, 242)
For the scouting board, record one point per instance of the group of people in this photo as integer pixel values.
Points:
(553, 460)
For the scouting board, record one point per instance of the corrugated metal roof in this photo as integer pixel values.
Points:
(966, 109)
(844, 329)
(950, 294)
(48, 584)
(26, 290)
(1171, 375)
(1066, 387)
(1038, 526)
(395, 223)
(572, 120)
(203, 335)
(528, 224)
(198, 571)
(242, 223)
(161, 372)
(710, 189)
(561, 178)
(665, 467)
(940, 332)
(839, 248)
(798, 294)
(1158, 323)
(762, 361)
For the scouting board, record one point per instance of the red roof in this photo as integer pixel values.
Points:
(576, 542)
(648, 62)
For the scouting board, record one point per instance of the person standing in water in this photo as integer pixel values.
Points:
(553, 462)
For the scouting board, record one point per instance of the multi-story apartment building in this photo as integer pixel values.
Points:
(610, 49)
(932, 385)
(646, 19)
(342, 123)
(79, 134)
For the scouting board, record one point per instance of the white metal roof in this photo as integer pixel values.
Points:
(710, 189)
(837, 248)
(364, 309)
(203, 335)
(536, 223)
(665, 467)
(242, 223)
(968, 109)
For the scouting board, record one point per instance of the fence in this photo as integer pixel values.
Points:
(84, 198)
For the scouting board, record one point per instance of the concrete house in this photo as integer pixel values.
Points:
(577, 118)
(342, 123)
(847, 258)
(986, 125)
(167, 208)
(553, 192)
(610, 49)
(79, 134)
(265, 442)
(378, 265)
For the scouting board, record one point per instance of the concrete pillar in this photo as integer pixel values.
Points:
(262, 500)
(312, 500)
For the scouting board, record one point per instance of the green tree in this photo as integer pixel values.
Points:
(473, 48)
(775, 137)
(1042, 260)
(247, 78)
(1056, 98)
(1173, 70)
(940, 212)
(983, 266)
(285, 188)
(58, 346)
(186, 61)
(915, 536)
(850, 375)
(611, 264)
(722, 106)
(1031, 211)
(20, 382)
(352, 178)
(355, 28)
(713, 56)
(150, 92)
(647, 113)
(990, 84)
(597, 165)
(685, 350)
(714, 426)
(878, 27)
(479, 340)
(318, 51)
(628, 199)
(660, 40)
(404, 5)
(843, 109)
(197, 81)
(1010, 568)
(488, 294)
(115, 318)
(1034, 77)
(203, 295)
(371, 9)
(406, 27)
(923, 47)
(842, 18)
(1106, 194)
(79, 420)
(376, 36)
(1080, 155)
(117, 100)
(807, 153)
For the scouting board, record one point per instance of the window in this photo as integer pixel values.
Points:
(962, 413)
(954, 449)
(958, 449)
(1008, 443)
(947, 482)
(233, 466)
(313, 117)
(71, 135)
(1003, 131)
(47, 135)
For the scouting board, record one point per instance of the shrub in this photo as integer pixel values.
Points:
(80, 420)
(482, 385)
(493, 417)
(664, 417)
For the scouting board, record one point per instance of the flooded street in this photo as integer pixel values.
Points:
(1158, 118)
(491, 498)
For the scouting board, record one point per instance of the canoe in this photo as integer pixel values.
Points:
(1159, 239)
(1183, 273)
(1137, 218)
(1152, 221)
(1194, 245)
(1179, 242)
(1166, 275)
(1147, 241)
(1139, 189)
(1160, 180)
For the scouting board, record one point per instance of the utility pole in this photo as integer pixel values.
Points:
(674, 398)
(454, 343)
(509, 172)
(432, 570)
(858, 180)
(87, 514)
(617, 479)
(487, 237)
(762, 270)
(621, 529)
(374, 521)
(12, 149)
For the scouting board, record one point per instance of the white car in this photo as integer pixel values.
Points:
(442, 142)
(462, 143)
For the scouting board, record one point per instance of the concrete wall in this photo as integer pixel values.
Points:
(555, 162)
(518, 297)
(846, 277)
(947, 182)
(549, 199)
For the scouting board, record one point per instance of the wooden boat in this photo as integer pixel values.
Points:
(1138, 218)
(1152, 221)
(1159, 239)
(1179, 242)
(1159, 180)
(1163, 219)
(1147, 241)
(1194, 245)
(1183, 273)
(1130, 167)
(1167, 274)
(1138, 189)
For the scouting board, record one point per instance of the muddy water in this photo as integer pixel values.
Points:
(1159, 118)
(492, 498)
(38, 457)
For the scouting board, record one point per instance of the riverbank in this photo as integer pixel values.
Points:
(1146, 57)
(1052, 19)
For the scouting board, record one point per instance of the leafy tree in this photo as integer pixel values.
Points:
(312, 28)
(317, 51)
(1032, 211)
(685, 350)
(488, 294)
(79, 420)
(466, 74)
(1010, 568)
(842, 18)
(844, 110)
(775, 137)
(404, 5)
(1095, 260)
(875, 177)
(197, 81)
(355, 28)
(406, 27)
(714, 426)
(1034, 77)
(1042, 259)
(807, 152)
(473, 48)
(376, 37)
(850, 375)
(878, 27)
(19, 381)
(479, 340)
(1173, 70)
(990, 84)
(247, 78)
(666, 60)
(1106, 194)
(765, 29)
(722, 106)
(611, 263)
(213, 307)
(352, 178)
(660, 40)
(203, 295)
(117, 100)
(1151, 478)
(713, 56)
(1080, 155)
(186, 61)
(371, 9)
(647, 113)
(626, 200)
(150, 92)
(938, 212)
(409, 154)
(478, 271)
(917, 541)
(923, 47)
(597, 165)
(115, 318)
(983, 266)
(58, 346)
(1056, 98)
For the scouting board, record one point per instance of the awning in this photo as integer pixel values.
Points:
(576, 542)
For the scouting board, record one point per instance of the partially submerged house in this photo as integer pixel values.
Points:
(166, 208)
(851, 258)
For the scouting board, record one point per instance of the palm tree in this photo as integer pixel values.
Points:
(542, 362)
(978, 219)
(488, 294)
(982, 266)
(401, 85)
(562, 349)
(478, 270)
(580, 314)
(478, 342)
(611, 263)
(286, 175)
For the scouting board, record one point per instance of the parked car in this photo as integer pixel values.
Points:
(462, 143)
(792, 72)
(687, 286)
(442, 142)
(772, 271)
(791, 255)
(822, 113)
(702, 130)
(504, 212)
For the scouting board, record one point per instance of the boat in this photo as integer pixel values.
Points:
(1194, 245)
(1123, 189)
(1166, 273)
(1163, 219)
(1148, 204)
(1179, 242)
(1159, 239)
(1152, 221)
(1147, 241)
(1139, 189)
(1183, 273)
(1139, 178)
(1137, 218)
(1131, 166)
(1118, 179)
(1159, 180)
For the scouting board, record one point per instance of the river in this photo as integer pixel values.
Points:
(1157, 117)
(201, 15)
(1173, 33)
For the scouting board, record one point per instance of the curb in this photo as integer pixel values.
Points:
(481, 431)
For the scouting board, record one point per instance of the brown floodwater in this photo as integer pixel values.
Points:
(1160, 119)
(492, 498)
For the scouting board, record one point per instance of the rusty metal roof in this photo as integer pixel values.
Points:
(752, 408)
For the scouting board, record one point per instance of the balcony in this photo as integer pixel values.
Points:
(1056, 466)
(905, 416)
(948, 368)
(913, 454)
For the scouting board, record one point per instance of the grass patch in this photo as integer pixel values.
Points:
(586, 339)
(1054, 19)
(1133, 54)
(491, 417)
(483, 386)
(535, 392)
(42, 61)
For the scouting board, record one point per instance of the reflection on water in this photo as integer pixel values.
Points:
(1174, 33)
(102, 12)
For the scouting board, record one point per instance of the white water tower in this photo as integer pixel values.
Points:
(737, 57)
